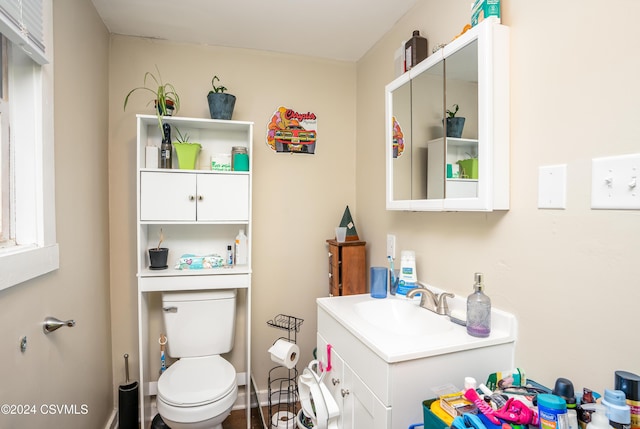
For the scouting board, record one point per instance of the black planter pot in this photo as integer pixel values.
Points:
(455, 126)
(221, 105)
(158, 258)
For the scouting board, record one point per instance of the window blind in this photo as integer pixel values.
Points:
(21, 22)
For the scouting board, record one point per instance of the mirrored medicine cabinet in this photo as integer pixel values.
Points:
(430, 166)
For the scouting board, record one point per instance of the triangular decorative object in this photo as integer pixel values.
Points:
(347, 221)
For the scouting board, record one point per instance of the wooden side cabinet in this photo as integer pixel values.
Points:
(347, 268)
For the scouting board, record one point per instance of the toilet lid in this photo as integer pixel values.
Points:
(196, 381)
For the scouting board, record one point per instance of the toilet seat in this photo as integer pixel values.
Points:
(193, 382)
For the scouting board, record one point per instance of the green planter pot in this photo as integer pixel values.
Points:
(221, 105)
(187, 155)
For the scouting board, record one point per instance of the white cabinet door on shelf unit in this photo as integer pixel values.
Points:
(189, 197)
(167, 196)
(223, 197)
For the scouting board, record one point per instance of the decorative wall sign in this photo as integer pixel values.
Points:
(398, 138)
(290, 131)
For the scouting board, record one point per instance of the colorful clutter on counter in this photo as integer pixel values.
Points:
(515, 402)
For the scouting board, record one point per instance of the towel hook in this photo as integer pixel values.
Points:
(51, 324)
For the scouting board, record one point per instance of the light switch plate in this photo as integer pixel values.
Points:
(552, 187)
(615, 182)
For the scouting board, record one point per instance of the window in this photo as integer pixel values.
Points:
(5, 178)
(28, 243)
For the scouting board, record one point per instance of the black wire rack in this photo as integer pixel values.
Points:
(283, 382)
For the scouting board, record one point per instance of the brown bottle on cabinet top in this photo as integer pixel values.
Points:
(415, 50)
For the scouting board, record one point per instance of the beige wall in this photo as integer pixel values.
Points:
(569, 275)
(297, 199)
(71, 366)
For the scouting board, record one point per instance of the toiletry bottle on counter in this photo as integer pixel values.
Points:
(617, 409)
(629, 383)
(408, 277)
(241, 248)
(599, 419)
(166, 148)
(478, 310)
(229, 256)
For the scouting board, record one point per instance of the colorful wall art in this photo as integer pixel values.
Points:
(290, 131)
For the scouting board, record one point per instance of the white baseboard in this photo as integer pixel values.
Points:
(112, 423)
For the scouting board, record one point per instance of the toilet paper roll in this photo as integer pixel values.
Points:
(285, 353)
(283, 420)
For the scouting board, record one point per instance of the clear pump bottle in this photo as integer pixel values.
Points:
(478, 310)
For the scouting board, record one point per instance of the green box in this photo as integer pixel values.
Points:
(469, 167)
(483, 9)
(431, 421)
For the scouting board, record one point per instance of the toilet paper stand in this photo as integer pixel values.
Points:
(283, 382)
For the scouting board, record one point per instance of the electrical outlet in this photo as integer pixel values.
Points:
(391, 246)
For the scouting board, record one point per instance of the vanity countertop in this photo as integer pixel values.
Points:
(397, 329)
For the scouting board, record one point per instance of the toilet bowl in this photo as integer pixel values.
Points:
(197, 393)
(199, 390)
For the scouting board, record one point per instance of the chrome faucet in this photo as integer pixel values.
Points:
(430, 300)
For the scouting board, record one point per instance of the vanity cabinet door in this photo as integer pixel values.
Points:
(362, 409)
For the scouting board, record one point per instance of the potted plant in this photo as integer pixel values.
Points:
(165, 97)
(454, 124)
(158, 255)
(221, 104)
(186, 151)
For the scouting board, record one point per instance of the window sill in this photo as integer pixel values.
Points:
(21, 263)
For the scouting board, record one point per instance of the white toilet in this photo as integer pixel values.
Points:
(199, 390)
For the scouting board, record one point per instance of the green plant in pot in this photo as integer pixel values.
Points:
(186, 151)
(454, 124)
(164, 95)
(221, 104)
(158, 256)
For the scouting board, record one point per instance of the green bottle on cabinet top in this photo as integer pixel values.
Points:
(478, 310)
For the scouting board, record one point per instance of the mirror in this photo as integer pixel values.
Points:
(401, 147)
(432, 163)
(461, 146)
(427, 107)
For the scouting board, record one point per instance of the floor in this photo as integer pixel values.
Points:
(237, 420)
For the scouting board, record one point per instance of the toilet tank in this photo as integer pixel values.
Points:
(199, 323)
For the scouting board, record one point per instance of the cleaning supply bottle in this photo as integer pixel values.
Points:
(478, 310)
(408, 277)
(241, 248)
(415, 50)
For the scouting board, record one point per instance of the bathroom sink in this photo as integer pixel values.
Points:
(402, 317)
(397, 329)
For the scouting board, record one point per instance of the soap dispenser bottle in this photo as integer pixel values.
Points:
(478, 310)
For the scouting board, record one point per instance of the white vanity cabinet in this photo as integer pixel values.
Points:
(198, 212)
(380, 379)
